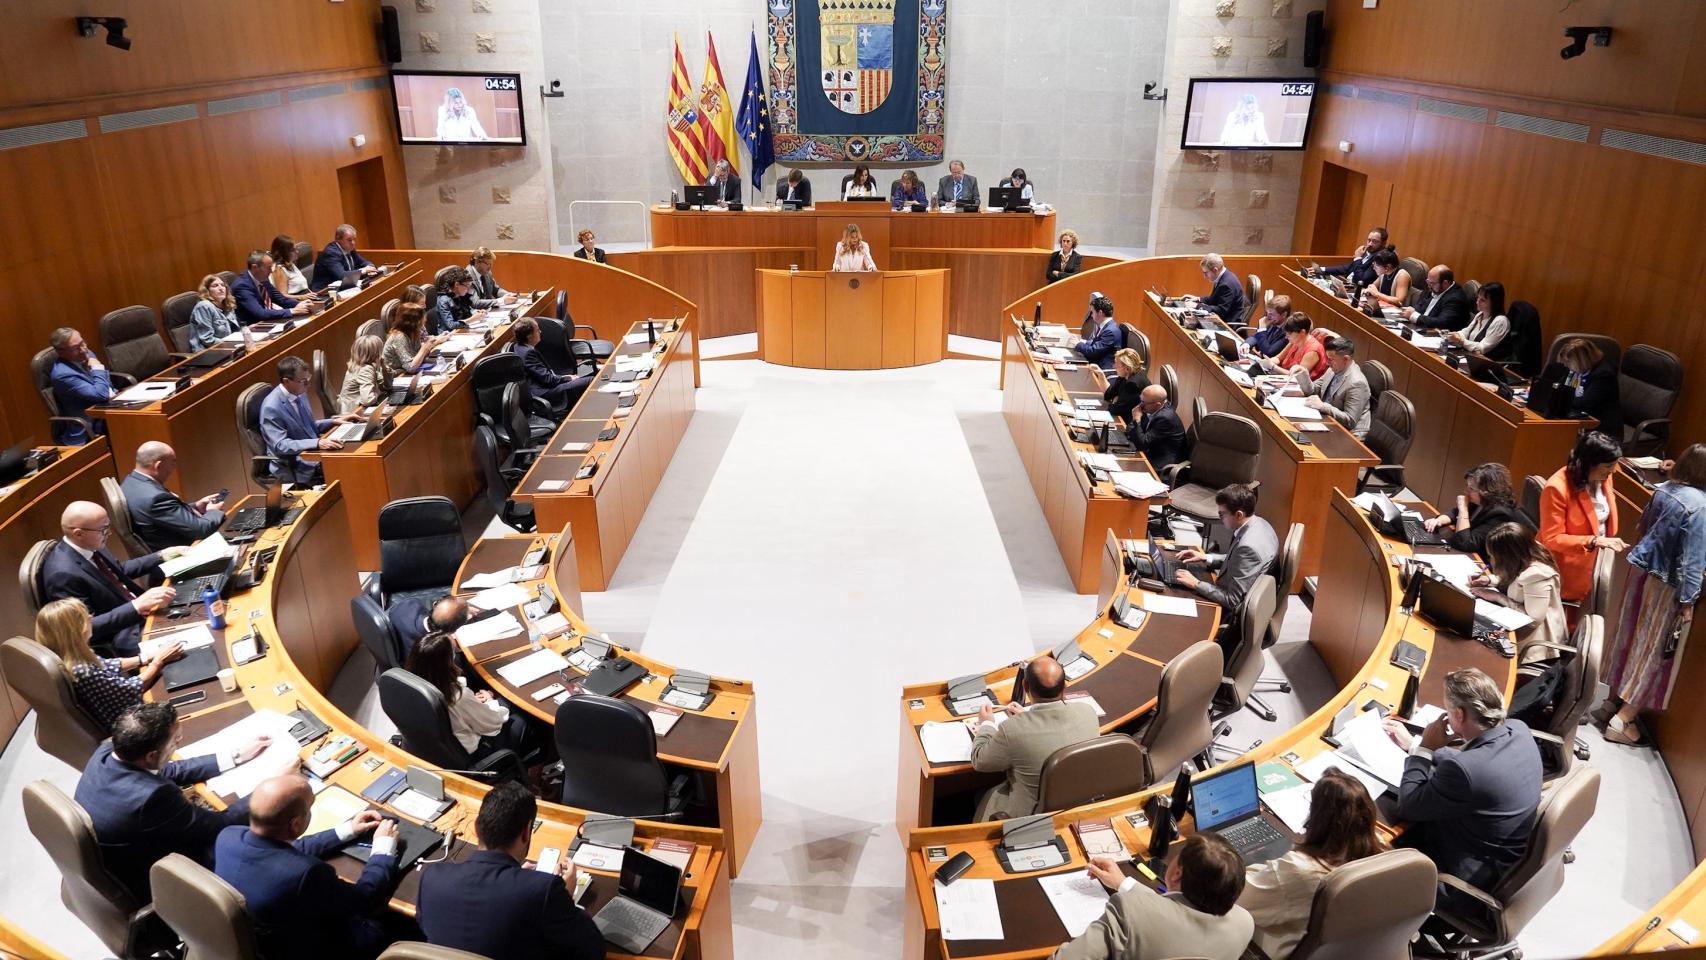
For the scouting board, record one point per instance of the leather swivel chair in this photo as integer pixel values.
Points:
(1609, 346)
(422, 719)
(118, 512)
(1533, 486)
(1418, 272)
(1471, 287)
(491, 376)
(304, 255)
(410, 950)
(323, 391)
(601, 349)
(1648, 383)
(1228, 450)
(1379, 377)
(375, 327)
(130, 338)
(1390, 433)
(610, 759)
(249, 425)
(501, 476)
(29, 575)
(378, 637)
(1369, 909)
(208, 913)
(1168, 379)
(176, 312)
(41, 374)
(1578, 686)
(1199, 410)
(420, 549)
(1244, 667)
(63, 728)
(1090, 771)
(1137, 340)
(1255, 303)
(1180, 731)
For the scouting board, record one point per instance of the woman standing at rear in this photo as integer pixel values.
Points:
(1576, 515)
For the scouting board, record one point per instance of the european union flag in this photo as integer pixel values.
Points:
(753, 120)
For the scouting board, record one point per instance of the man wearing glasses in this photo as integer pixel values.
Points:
(290, 428)
(80, 566)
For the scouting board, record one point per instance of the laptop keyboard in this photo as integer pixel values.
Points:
(246, 521)
(350, 431)
(1253, 834)
(190, 593)
(1419, 535)
(629, 925)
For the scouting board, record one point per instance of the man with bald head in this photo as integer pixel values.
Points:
(81, 566)
(299, 906)
(413, 619)
(1158, 434)
(1017, 739)
(1446, 307)
(160, 517)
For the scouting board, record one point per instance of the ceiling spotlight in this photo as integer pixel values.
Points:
(115, 30)
(1579, 37)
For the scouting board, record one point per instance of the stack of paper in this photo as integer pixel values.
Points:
(1138, 484)
(191, 637)
(333, 806)
(1060, 353)
(1502, 615)
(1101, 461)
(1457, 568)
(501, 627)
(1293, 408)
(1316, 766)
(948, 742)
(537, 664)
(968, 910)
(1365, 742)
(1052, 331)
(1291, 805)
(499, 598)
(623, 388)
(208, 550)
(481, 581)
(1169, 605)
(1077, 898)
(241, 780)
(1426, 343)
(636, 363)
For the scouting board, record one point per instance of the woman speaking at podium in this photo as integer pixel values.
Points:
(852, 254)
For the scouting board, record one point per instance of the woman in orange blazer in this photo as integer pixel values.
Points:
(1577, 516)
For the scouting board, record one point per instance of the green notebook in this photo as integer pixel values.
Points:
(1273, 776)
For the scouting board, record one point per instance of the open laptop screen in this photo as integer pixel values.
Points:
(649, 881)
(1225, 796)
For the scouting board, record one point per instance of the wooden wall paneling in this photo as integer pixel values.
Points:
(1348, 574)
(713, 279)
(981, 282)
(934, 307)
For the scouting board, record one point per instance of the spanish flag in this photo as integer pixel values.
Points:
(717, 112)
(684, 127)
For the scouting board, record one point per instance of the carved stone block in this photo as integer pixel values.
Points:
(1205, 198)
(1209, 159)
(1225, 9)
(1220, 46)
(1258, 198)
(482, 6)
(452, 230)
(446, 194)
(486, 42)
(1277, 47)
(444, 155)
(1262, 163)
(1282, 9)
(426, 6)
(1252, 236)
(506, 231)
(429, 41)
(1201, 235)
(500, 195)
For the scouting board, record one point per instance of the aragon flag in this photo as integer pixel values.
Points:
(684, 126)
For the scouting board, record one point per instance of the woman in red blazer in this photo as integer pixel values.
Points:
(1577, 515)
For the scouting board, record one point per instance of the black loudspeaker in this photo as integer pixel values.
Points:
(390, 35)
(1314, 34)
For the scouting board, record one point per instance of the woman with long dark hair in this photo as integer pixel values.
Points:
(1487, 501)
(1528, 576)
(1577, 516)
(481, 723)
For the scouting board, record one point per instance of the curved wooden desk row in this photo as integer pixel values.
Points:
(17, 942)
(200, 423)
(1357, 562)
(301, 611)
(852, 321)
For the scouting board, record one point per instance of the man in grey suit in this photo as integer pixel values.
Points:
(1199, 918)
(1470, 807)
(1020, 741)
(160, 517)
(1343, 393)
(1250, 554)
(957, 187)
(290, 428)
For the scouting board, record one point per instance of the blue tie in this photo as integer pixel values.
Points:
(304, 415)
(957, 184)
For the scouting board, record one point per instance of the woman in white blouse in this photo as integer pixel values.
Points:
(860, 184)
(1281, 892)
(1489, 327)
(852, 254)
(480, 722)
(456, 119)
(285, 274)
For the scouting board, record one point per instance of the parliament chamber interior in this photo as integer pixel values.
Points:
(1241, 441)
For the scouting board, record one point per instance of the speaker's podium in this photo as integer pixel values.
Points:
(852, 321)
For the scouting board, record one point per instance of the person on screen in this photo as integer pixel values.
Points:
(1245, 126)
(852, 253)
(456, 119)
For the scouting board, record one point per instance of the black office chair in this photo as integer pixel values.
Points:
(600, 348)
(1609, 346)
(422, 719)
(610, 759)
(1648, 382)
(249, 425)
(420, 548)
(130, 337)
(569, 356)
(321, 372)
(177, 311)
(1390, 433)
(501, 476)
(490, 377)
(1379, 377)
(377, 635)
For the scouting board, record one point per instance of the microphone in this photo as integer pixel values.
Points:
(474, 774)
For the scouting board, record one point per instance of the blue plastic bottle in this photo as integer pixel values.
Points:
(215, 608)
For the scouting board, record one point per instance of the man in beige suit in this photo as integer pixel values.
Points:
(1021, 742)
(1200, 917)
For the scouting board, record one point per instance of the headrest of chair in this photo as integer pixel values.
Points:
(1229, 430)
(1650, 364)
(1192, 675)
(179, 307)
(29, 574)
(39, 675)
(1372, 896)
(41, 368)
(1258, 608)
(413, 518)
(420, 714)
(607, 725)
(128, 323)
(425, 951)
(64, 829)
(206, 911)
(249, 402)
(496, 368)
(1110, 765)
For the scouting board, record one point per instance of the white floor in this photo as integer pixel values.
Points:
(831, 537)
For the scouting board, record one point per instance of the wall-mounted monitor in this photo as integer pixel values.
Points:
(1248, 113)
(442, 107)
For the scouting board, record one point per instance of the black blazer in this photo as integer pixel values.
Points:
(1453, 311)
(802, 191)
(489, 905)
(117, 625)
(730, 188)
(1359, 271)
(408, 618)
(597, 254)
(1123, 393)
(1471, 808)
(1226, 300)
(1601, 399)
(1482, 520)
(1058, 272)
(332, 264)
(161, 518)
(1160, 436)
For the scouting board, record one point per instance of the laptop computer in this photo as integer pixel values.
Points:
(1229, 804)
(647, 894)
(1443, 605)
(1389, 518)
(246, 524)
(190, 585)
(370, 429)
(1227, 344)
(410, 393)
(1548, 396)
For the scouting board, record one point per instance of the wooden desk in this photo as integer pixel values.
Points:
(606, 508)
(1123, 684)
(819, 228)
(719, 742)
(1030, 926)
(201, 422)
(852, 321)
(29, 511)
(302, 611)
(1459, 422)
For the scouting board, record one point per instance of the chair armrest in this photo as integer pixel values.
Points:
(1656, 428)
(506, 764)
(1177, 474)
(88, 428)
(179, 357)
(1485, 928)
(593, 333)
(123, 378)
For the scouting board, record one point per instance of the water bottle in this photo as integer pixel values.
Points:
(533, 638)
(215, 608)
(674, 198)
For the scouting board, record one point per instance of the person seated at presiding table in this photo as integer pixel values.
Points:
(1360, 270)
(589, 249)
(1446, 306)
(1487, 501)
(1106, 337)
(289, 427)
(79, 381)
(1343, 826)
(214, 314)
(1470, 807)
(1593, 378)
(1577, 516)
(1198, 917)
(1020, 740)
(285, 275)
(859, 183)
(1391, 286)
(1269, 337)
(1226, 299)
(1249, 554)
(908, 191)
(414, 618)
(80, 567)
(1158, 434)
(364, 375)
(339, 260)
(104, 686)
(160, 517)
(453, 301)
(481, 722)
(294, 898)
(1343, 393)
(543, 382)
(490, 904)
(725, 184)
(1066, 261)
(1303, 349)
(135, 797)
(406, 343)
(852, 253)
(258, 301)
(957, 187)
(1126, 386)
(487, 292)
(1018, 180)
(1488, 328)
(795, 187)
(1528, 576)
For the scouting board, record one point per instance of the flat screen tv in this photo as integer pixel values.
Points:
(471, 109)
(1248, 114)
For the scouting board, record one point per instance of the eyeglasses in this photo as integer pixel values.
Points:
(103, 530)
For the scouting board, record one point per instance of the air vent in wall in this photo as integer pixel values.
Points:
(1545, 126)
(1685, 150)
(1340, 89)
(1383, 96)
(254, 101)
(40, 133)
(114, 122)
(368, 83)
(1445, 108)
(316, 91)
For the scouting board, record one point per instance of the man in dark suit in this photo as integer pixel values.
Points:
(491, 905)
(339, 259)
(543, 382)
(1106, 339)
(297, 903)
(413, 618)
(257, 299)
(726, 184)
(1447, 306)
(795, 187)
(1360, 270)
(81, 566)
(1226, 300)
(79, 381)
(957, 187)
(1471, 807)
(1158, 434)
(135, 796)
(159, 516)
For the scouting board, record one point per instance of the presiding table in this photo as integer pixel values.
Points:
(852, 321)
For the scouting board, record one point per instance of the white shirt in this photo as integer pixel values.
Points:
(88, 555)
(1601, 509)
(1484, 334)
(1428, 310)
(465, 127)
(471, 718)
(858, 261)
(854, 190)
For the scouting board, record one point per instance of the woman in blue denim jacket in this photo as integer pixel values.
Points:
(1658, 602)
